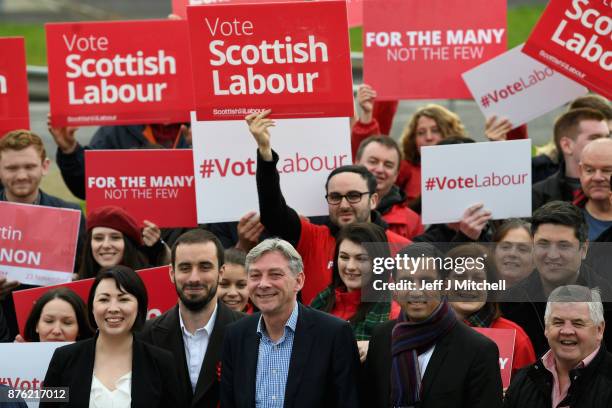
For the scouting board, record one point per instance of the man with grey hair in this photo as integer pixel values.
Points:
(577, 370)
(289, 354)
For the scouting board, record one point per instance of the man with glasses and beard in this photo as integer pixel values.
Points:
(193, 330)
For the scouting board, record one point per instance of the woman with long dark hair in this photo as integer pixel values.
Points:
(357, 245)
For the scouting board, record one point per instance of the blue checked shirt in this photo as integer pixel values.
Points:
(273, 364)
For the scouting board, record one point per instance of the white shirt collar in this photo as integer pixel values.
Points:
(208, 328)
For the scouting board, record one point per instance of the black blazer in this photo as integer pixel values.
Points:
(323, 371)
(463, 371)
(153, 381)
(165, 332)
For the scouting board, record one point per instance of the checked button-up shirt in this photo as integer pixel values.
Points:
(273, 364)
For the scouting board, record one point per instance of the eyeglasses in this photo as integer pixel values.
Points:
(353, 197)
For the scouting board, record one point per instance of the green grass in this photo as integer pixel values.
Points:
(521, 20)
(36, 49)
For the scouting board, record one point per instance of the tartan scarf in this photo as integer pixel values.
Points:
(408, 340)
(379, 313)
(482, 318)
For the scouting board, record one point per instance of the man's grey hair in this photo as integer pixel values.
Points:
(296, 265)
(576, 293)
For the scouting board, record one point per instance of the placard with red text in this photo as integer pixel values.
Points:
(519, 88)
(118, 73)
(418, 49)
(291, 57)
(37, 243)
(161, 292)
(308, 149)
(24, 366)
(498, 175)
(504, 339)
(153, 185)
(573, 37)
(14, 111)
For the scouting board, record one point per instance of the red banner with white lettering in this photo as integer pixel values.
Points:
(153, 185)
(423, 56)
(293, 58)
(37, 243)
(119, 73)
(179, 7)
(160, 290)
(14, 110)
(573, 38)
(504, 338)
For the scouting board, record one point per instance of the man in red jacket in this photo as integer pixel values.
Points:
(381, 156)
(351, 196)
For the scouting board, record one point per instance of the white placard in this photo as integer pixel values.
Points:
(24, 365)
(519, 88)
(454, 177)
(225, 161)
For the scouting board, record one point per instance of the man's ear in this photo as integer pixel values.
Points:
(567, 145)
(171, 274)
(373, 201)
(45, 166)
(584, 249)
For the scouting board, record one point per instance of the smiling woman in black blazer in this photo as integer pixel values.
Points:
(114, 368)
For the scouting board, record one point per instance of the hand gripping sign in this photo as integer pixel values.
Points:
(118, 73)
(154, 185)
(574, 37)
(418, 49)
(291, 57)
(14, 111)
(37, 243)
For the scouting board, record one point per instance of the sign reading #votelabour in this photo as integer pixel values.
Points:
(575, 38)
(495, 174)
(154, 185)
(423, 55)
(118, 73)
(291, 57)
(515, 86)
(14, 111)
(29, 251)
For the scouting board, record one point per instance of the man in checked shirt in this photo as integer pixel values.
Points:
(289, 355)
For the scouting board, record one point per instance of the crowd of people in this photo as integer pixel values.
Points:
(278, 310)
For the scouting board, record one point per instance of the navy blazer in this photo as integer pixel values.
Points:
(154, 382)
(323, 371)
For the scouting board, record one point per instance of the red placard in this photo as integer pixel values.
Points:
(573, 37)
(14, 113)
(504, 338)
(37, 243)
(422, 56)
(179, 7)
(160, 290)
(117, 73)
(291, 57)
(153, 185)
